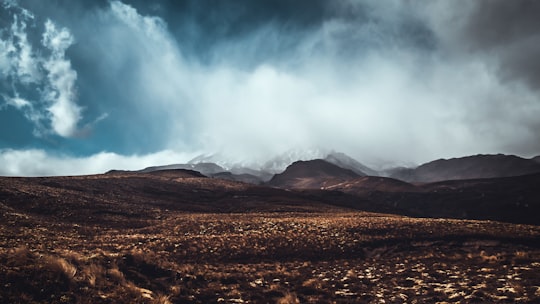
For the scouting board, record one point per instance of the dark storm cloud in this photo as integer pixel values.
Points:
(408, 81)
(495, 23)
(229, 19)
(510, 31)
(251, 32)
(201, 27)
(496, 42)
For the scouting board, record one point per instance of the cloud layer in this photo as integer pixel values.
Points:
(403, 81)
(36, 162)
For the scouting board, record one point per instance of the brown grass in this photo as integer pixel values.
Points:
(60, 266)
(162, 299)
(307, 258)
(93, 273)
(150, 253)
(116, 275)
(20, 255)
(289, 298)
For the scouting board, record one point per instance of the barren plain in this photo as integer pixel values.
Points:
(176, 237)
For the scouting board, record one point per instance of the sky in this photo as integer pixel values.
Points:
(89, 86)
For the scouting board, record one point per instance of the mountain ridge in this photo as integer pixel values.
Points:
(469, 167)
(459, 168)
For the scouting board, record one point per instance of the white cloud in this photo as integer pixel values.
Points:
(60, 91)
(5, 62)
(152, 27)
(17, 102)
(57, 40)
(26, 64)
(17, 57)
(162, 77)
(40, 163)
(51, 77)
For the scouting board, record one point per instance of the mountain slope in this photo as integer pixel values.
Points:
(312, 174)
(470, 167)
(368, 184)
(510, 199)
(262, 175)
(344, 161)
(244, 177)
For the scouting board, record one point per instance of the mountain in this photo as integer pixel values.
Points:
(262, 175)
(470, 167)
(239, 174)
(312, 174)
(368, 184)
(244, 177)
(207, 169)
(401, 173)
(344, 161)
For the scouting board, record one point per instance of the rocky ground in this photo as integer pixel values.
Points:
(111, 244)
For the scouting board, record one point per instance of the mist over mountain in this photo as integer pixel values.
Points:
(344, 161)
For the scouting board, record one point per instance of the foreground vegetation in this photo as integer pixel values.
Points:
(170, 239)
(269, 258)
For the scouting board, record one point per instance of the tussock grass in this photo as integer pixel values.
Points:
(162, 299)
(61, 267)
(269, 257)
(93, 273)
(115, 275)
(289, 298)
(20, 256)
